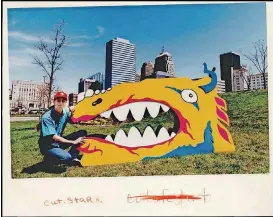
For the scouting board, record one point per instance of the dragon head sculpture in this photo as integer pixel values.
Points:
(199, 128)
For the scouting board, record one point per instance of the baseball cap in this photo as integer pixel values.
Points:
(60, 94)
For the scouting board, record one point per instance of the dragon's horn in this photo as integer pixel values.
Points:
(210, 86)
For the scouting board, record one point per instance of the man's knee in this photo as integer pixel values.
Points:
(82, 133)
(65, 157)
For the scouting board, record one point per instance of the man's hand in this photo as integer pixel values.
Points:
(79, 140)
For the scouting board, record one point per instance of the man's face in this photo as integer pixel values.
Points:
(59, 103)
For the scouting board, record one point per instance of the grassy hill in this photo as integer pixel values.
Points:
(248, 113)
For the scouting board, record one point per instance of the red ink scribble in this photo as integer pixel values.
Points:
(223, 133)
(168, 197)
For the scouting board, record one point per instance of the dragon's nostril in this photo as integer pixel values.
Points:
(98, 101)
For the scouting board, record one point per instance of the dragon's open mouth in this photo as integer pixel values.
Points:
(137, 110)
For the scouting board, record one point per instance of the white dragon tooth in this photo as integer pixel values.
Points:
(164, 107)
(121, 138)
(89, 93)
(138, 110)
(80, 96)
(109, 138)
(97, 92)
(149, 137)
(121, 112)
(163, 135)
(103, 91)
(109, 88)
(173, 134)
(106, 114)
(134, 137)
(153, 108)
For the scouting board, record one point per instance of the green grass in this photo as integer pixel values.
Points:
(248, 113)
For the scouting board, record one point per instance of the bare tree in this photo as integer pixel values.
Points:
(52, 61)
(42, 95)
(259, 58)
(19, 101)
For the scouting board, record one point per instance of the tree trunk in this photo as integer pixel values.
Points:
(49, 92)
(264, 81)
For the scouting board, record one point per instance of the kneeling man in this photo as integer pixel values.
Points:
(52, 124)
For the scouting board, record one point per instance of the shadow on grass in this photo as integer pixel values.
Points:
(23, 129)
(44, 167)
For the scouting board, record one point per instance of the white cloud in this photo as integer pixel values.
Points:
(13, 22)
(100, 30)
(27, 37)
(32, 51)
(19, 61)
(75, 44)
(79, 37)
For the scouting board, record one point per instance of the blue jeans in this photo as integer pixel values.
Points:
(52, 149)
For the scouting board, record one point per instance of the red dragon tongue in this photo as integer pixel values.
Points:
(83, 118)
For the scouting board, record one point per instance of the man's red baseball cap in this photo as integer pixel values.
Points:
(60, 94)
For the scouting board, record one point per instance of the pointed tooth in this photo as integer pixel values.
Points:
(89, 93)
(134, 137)
(173, 134)
(165, 108)
(106, 114)
(149, 137)
(120, 138)
(138, 110)
(103, 91)
(109, 88)
(153, 108)
(97, 92)
(80, 96)
(163, 135)
(109, 138)
(121, 112)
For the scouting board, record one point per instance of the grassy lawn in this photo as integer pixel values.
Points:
(248, 113)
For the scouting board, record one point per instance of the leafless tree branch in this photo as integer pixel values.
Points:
(51, 53)
(259, 58)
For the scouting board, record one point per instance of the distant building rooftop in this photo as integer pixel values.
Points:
(164, 53)
(230, 53)
(122, 40)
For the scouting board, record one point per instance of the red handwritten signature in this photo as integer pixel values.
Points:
(167, 197)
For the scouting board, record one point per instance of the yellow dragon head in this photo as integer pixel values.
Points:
(199, 126)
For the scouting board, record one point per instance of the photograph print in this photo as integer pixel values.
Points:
(154, 90)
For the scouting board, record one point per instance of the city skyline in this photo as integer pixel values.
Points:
(192, 40)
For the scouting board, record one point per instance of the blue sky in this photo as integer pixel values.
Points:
(193, 34)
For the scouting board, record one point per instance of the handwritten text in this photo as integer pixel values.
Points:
(167, 196)
(73, 200)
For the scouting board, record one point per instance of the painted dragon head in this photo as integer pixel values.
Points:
(199, 128)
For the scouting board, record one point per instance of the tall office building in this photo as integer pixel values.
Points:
(164, 63)
(72, 99)
(138, 76)
(239, 78)
(120, 62)
(84, 84)
(221, 86)
(257, 81)
(98, 77)
(228, 60)
(147, 70)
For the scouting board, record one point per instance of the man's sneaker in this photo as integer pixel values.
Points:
(76, 162)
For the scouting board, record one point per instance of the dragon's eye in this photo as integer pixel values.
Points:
(189, 96)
